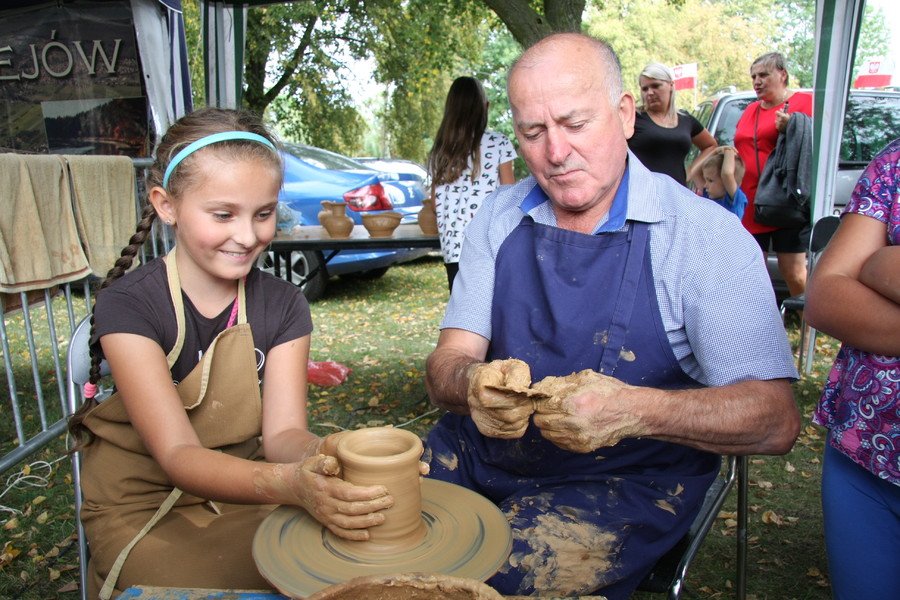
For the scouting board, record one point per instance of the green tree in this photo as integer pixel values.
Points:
(798, 19)
(686, 32)
(527, 24)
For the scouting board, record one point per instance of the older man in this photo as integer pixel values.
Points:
(657, 304)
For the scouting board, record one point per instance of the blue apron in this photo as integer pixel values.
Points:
(563, 302)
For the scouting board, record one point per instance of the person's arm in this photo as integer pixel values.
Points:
(750, 417)
(447, 368)
(839, 304)
(458, 380)
(707, 144)
(882, 272)
(506, 173)
(728, 180)
(155, 410)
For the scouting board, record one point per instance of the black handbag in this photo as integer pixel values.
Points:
(776, 204)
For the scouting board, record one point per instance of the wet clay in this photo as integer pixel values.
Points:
(408, 586)
(452, 530)
(389, 457)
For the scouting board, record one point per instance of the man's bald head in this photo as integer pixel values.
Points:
(580, 49)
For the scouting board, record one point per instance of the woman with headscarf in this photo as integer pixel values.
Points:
(663, 135)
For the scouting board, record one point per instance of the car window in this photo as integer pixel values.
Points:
(871, 122)
(728, 119)
(324, 159)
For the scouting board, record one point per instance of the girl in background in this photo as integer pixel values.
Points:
(176, 451)
(466, 163)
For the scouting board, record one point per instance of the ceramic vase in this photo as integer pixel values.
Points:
(333, 217)
(389, 457)
(428, 217)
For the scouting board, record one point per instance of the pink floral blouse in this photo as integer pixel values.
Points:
(861, 401)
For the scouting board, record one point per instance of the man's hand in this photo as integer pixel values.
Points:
(584, 411)
(498, 398)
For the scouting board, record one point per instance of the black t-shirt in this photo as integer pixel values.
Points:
(663, 149)
(140, 303)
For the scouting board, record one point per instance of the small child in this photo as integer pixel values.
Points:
(721, 173)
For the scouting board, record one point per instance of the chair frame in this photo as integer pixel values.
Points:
(670, 571)
(78, 365)
(822, 232)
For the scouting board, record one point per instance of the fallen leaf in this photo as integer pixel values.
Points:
(770, 517)
(765, 485)
(38, 500)
(11, 524)
(813, 572)
(42, 518)
(789, 467)
(72, 586)
(54, 574)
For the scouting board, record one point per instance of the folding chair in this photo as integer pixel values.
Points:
(670, 571)
(78, 366)
(822, 231)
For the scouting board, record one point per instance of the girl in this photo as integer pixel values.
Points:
(466, 164)
(175, 476)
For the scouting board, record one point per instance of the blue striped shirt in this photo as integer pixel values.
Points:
(714, 293)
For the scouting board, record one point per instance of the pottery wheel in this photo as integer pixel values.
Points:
(466, 536)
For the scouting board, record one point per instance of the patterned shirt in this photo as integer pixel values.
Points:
(457, 202)
(860, 404)
(714, 294)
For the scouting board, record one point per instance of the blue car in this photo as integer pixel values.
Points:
(312, 175)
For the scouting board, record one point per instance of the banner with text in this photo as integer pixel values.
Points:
(70, 82)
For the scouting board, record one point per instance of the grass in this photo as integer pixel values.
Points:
(383, 330)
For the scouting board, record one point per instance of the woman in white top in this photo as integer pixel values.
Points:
(466, 164)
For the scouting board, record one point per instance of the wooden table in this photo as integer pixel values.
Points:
(316, 238)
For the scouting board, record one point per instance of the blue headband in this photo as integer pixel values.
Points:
(212, 139)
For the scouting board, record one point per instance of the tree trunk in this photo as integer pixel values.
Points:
(528, 26)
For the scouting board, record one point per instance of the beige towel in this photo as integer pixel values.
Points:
(39, 245)
(104, 197)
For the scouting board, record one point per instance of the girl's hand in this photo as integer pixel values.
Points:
(345, 509)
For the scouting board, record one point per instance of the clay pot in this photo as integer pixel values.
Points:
(389, 457)
(428, 217)
(408, 586)
(381, 224)
(333, 217)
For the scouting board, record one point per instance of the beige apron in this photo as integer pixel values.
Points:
(178, 540)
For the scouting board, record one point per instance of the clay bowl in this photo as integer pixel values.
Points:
(408, 586)
(381, 224)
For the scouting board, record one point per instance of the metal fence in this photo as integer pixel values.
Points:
(34, 336)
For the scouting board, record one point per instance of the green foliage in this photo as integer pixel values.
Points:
(421, 47)
(723, 38)
(799, 46)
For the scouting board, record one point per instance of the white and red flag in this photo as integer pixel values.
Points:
(875, 73)
(685, 76)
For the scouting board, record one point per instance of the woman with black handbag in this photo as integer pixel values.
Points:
(755, 138)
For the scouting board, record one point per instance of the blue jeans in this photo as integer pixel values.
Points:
(862, 530)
